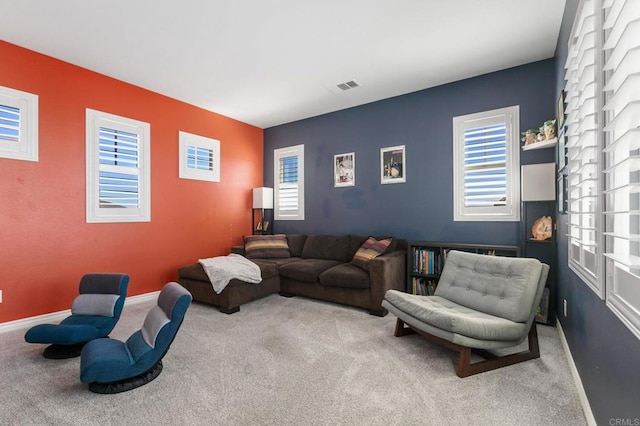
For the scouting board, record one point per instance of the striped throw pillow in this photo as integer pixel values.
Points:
(370, 249)
(266, 246)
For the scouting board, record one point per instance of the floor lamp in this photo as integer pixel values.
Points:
(262, 199)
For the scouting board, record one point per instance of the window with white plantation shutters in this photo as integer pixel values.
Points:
(583, 141)
(603, 128)
(18, 125)
(289, 183)
(486, 166)
(118, 169)
(119, 183)
(199, 157)
(621, 91)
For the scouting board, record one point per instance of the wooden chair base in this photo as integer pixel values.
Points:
(491, 362)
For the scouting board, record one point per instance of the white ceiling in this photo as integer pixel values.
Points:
(269, 62)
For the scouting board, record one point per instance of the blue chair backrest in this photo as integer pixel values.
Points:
(149, 344)
(100, 302)
(115, 284)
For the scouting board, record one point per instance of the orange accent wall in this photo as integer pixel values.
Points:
(45, 243)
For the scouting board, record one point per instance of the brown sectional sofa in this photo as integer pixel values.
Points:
(319, 268)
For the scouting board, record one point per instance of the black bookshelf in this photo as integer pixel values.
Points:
(543, 250)
(427, 258)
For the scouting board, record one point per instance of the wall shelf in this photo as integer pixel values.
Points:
(540, 145)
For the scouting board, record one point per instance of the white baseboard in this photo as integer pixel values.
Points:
(56, 317)
(584, 401)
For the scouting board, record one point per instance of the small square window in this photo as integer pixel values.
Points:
(199, 157)
(18, 124)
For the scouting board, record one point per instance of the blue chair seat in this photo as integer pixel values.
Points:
(62, 334)
(94, 314)
(104, 360)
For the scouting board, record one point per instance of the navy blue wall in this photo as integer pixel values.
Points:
(606, 353)
(422, 208)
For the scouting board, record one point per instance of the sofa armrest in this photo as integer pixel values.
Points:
(387, 272)
(238, 250)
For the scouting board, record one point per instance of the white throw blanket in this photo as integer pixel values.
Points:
(223, 269)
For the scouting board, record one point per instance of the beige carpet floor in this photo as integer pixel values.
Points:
(296, 361)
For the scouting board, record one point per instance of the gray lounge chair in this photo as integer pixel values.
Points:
(481, 303)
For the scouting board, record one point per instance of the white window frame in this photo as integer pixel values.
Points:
(584, 143)
(510, 211)
(620, 65)
(279, 212)
(95, 214)
(605, 37)
(212, 146)
(26, 147)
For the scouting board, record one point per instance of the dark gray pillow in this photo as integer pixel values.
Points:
(296, 243)
(329, 247)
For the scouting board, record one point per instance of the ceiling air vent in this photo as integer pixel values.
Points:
(348, 85)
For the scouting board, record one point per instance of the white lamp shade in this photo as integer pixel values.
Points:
(262, 198)
(538, 182)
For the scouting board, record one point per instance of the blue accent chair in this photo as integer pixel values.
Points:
(94, 313)
(111, 366)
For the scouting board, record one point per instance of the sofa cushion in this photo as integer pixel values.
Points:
(195, 272)
(329, 247)
(296, 243)
(268, 269)
(266, 246)
(370, 249)
(345, 275)
(306, 270)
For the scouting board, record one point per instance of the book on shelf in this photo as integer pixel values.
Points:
(426, 261)
(423, 286)
(487, 252)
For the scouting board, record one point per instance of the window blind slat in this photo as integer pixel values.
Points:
(118, 158)
(9, 123)
(485, 165)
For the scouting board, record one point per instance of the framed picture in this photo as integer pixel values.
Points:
(561, 151)
(393, 165)
(560, 111)
(262, 226)
(562, 193)
(344, 169)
